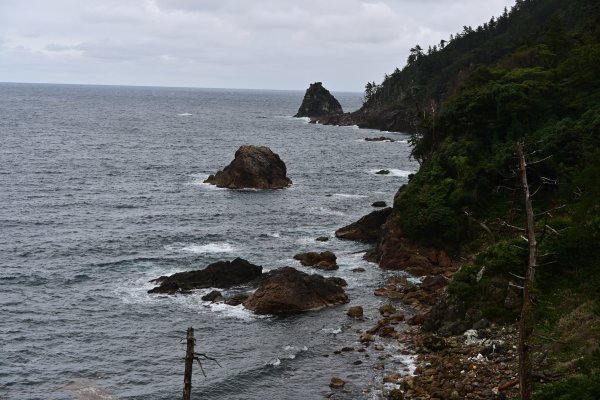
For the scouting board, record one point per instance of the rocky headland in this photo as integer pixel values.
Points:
(253, 167)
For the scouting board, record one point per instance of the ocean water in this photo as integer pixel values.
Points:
(101, 191)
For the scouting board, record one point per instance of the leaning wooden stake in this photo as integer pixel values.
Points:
(189, 362)
(526, 322)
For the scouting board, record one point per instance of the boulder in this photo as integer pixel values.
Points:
(255, 167)
(355, 312)
(222, 274)
(336, 383)
(325, 260)
(367, 229)
(289, 291)
(215, 296)
(318, 102)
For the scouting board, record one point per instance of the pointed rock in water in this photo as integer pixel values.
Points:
(289, 291)
(253, 167)
(318, 102)
(222, 274)
(367, 229)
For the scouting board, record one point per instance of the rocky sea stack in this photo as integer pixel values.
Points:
(253, 167)
(318, 102)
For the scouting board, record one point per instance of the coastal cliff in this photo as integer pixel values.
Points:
(529, 76)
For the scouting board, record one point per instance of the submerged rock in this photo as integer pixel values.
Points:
(379, 204)
(325, 260)
(289, 291)
(222, 274)
(318, 102)
(383, 172)
(380, 139)
(367, 229)
(253, 167)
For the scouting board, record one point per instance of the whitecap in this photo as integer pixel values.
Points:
(184, 114)
(324, 211)
(350, 196)
(333, 331)
(237, 312)
(275, 362)
(217, 247)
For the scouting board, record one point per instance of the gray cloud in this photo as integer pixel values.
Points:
(223, 43)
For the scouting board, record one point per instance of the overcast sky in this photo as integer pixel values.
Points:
(268, 44)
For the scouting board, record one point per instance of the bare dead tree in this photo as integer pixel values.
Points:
(190, 356)
(526, 320)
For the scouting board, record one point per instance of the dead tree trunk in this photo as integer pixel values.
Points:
(189, 362)
(526, 321)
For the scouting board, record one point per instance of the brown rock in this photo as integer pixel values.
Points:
(325, 260)
(336, 383)
(289, 291)
(253, 167)
(366, 229)
(355, 312)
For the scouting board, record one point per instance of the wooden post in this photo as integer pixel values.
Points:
(189, 362)
(526, 321)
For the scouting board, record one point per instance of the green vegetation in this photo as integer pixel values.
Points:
(531, 75)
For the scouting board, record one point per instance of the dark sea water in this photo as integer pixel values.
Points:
(101, 190)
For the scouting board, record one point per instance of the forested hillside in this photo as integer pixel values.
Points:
(532, 75)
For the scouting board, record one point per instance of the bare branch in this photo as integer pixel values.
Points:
(515, 286)
(539, 161)
(517, 276)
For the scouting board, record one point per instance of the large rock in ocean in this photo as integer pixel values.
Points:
(318, 102)
(222, 274)
(367, 229)
(325, 260)
(253, 167)
(289, 291)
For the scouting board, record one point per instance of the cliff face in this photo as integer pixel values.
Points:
(318, 102)
(529, 76)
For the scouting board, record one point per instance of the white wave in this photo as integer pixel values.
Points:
(275, 362)
(324, 211)
(312, 241)
(393, 172)
(274, 235)
(237, 312)
(333, 331)
(184, 114)
(304, 119)
(218, 247)
(198, 180)
(351, 196)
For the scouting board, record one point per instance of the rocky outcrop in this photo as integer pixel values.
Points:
(222, 274)
(391, 120)
(366, 229)
(253, 167)
(380, 139)
(325, 260)
(289, 291)
(318, 102)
